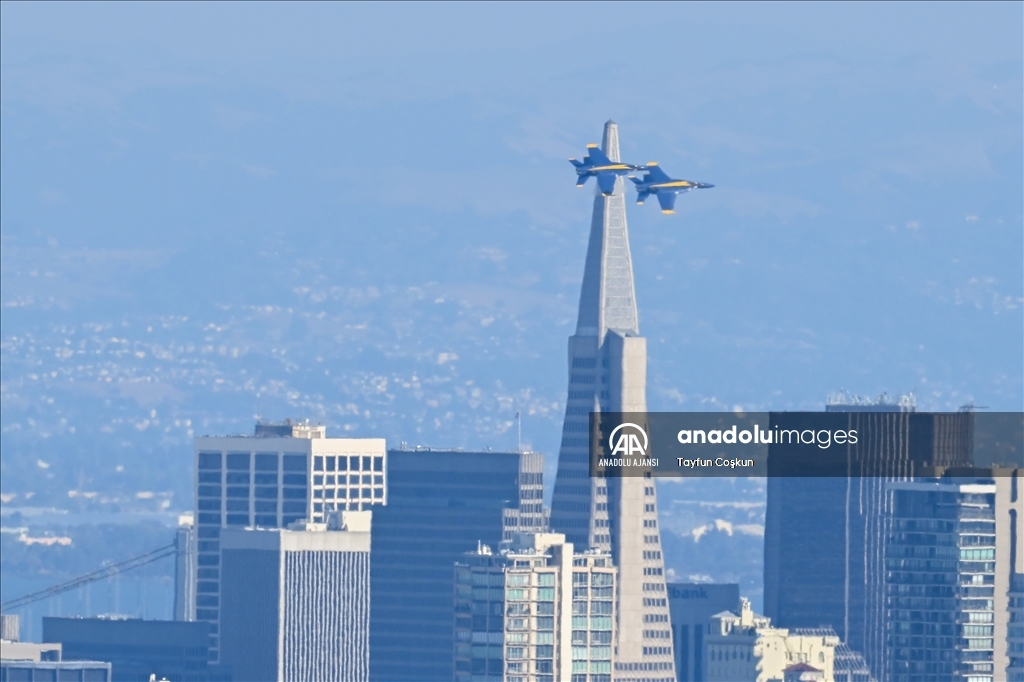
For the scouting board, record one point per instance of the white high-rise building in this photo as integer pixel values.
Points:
(608, 373)
(296, 602)
(281, 474)
(537, 611)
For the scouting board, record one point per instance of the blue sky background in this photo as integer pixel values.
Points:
(362, 214)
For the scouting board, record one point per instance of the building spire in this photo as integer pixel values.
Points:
(608, 298)
(608, 373)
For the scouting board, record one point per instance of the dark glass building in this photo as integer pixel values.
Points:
(135, 648)
(823, 553)
(691, 606)
(441, 504)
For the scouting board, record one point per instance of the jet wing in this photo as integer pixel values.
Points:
(667, 201)
(606, 181)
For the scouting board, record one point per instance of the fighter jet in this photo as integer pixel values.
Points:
(598, 165)
(658, 183)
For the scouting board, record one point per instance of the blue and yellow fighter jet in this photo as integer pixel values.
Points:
(658, 183)
(596, 164)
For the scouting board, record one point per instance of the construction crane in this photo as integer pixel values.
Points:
(99, 574)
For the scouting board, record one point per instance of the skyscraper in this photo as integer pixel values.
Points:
(537, 611)
(296, 603)
(841, 583)
(283, 473)
(608, 373)
(441, 504)
(951, 554)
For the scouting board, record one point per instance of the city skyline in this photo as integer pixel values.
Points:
(830, 198)
(365, 223)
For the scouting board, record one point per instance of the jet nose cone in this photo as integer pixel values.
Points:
(705, 185)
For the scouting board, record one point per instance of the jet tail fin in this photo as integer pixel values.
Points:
(642, 197)
(576, 162)
(597, 157)
(655, 174)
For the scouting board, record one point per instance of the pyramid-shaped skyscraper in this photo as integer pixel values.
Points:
(608, 373)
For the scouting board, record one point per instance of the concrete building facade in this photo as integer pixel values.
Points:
(746, 647)
(607, 372)
(536, 611)
(281, 474)
(296, 602)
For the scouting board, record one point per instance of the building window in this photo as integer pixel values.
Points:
(266, 462)
(209, 460)
(238, 461)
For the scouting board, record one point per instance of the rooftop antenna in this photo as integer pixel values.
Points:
(519, 427)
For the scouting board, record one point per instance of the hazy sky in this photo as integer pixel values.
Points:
(864, 232)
